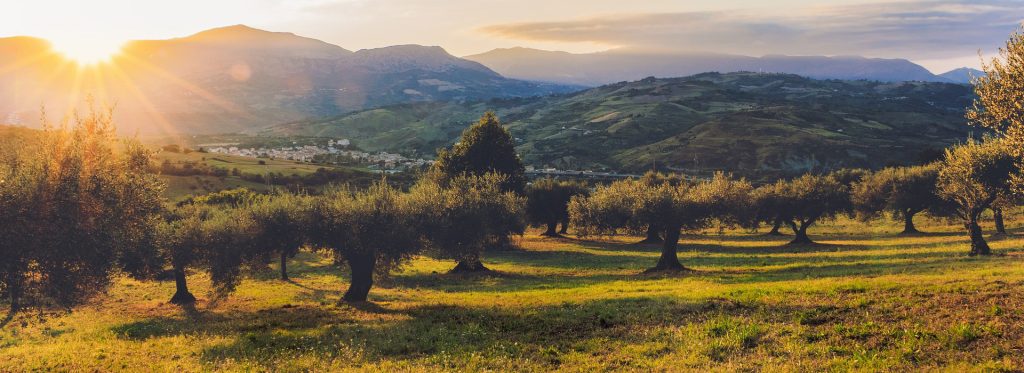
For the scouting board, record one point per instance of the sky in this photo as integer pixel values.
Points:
(940, 35)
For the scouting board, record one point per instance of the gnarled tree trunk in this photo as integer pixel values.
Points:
(978, 244)
(997, 215)
(470, 265)
(775, 228)
(652, 235)
(800, 233)
(565, 227)
(552, 230)
(908, 222)
(362, 266)
(284, 266)
(181, 294)
(669, 260)
(13, 283)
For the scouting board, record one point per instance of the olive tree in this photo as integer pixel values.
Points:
(281, 222)
(459, 217)
(973, 176)
(676, 208)
(654, 179)
(372, 231)
(767, 206)
(78, 203)
(209, 238)
(902, 192)
(808, 199)
(547, 203)
(1000, 92)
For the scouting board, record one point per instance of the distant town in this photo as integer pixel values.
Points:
(334, 151)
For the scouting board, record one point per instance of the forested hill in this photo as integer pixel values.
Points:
(742, 122)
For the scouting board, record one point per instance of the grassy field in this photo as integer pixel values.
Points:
(862, 299)
(181, 187)
(244, 164)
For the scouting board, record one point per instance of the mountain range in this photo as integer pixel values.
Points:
(236, 78)
(754, 124)
(617, 65)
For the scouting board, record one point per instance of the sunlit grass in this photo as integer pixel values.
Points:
(862, 298)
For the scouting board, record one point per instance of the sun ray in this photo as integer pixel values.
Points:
(150, 109)
(40, 89)
(182, 83)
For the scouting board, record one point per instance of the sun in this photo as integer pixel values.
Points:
(91, 51)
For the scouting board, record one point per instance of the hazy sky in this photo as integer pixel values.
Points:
(938, 34)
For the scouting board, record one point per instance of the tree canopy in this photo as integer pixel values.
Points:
(547, 202)
(458, 218)
(973, 176)
(75, 204)
(903, 192)
(371, 230)
(485, 147)
(632, 204)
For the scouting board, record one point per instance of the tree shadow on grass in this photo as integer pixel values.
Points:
(538, 335)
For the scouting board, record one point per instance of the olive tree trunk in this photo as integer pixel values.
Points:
(978, 244)
(552, 230)
(997, 214)
(565, 227)
(14, 291)
(362, 266)
(471, 264)
(669, 260)
(181, 294)
(652, 235)
(284, 266)
(776, 226)
(800, 233)
(908, 222)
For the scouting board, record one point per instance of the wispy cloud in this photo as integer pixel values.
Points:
(919, 30)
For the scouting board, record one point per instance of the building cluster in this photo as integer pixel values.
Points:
(333, 152)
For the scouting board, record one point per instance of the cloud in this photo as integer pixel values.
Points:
(921, 30)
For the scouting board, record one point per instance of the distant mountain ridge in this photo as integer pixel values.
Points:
(963, 75)
(237, 78)
(594, 69)
(753, 124)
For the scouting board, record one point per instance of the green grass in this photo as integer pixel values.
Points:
(863, 299)
(182, 187)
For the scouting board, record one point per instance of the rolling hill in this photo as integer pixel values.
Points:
(593, 69)
(236, 78)
(748, 123)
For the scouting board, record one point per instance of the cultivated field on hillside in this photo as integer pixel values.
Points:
(863, 298)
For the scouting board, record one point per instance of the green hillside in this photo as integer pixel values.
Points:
(749, 123)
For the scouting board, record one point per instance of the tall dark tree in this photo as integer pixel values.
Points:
(485, 147)
(372, 231)
(77, 204)
(973, 176)
(903, 192)
(547, 203)
(459, 218)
